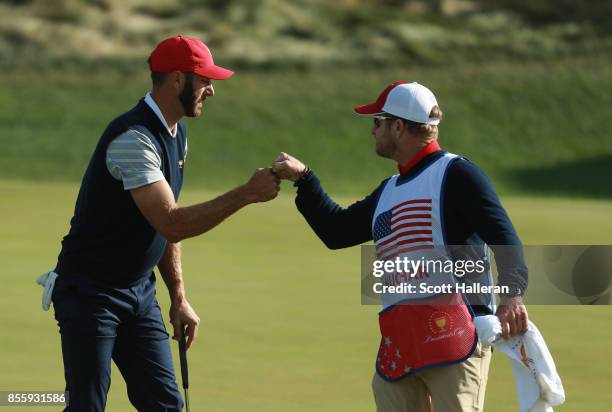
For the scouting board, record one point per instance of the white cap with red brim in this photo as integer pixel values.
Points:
(410, 101)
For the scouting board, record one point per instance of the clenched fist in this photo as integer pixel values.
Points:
(262, 186)
(288, 167)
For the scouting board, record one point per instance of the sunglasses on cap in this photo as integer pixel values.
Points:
(380, 117)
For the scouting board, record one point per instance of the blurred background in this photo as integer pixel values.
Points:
(526, 90)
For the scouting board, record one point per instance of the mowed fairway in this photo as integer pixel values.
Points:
(282, 325)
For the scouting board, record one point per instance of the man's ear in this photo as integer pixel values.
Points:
(178, 80)
(397, 128)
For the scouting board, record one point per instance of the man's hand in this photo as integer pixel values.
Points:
(264, 185)
(288, 167)
(512, 315)
(181, 315)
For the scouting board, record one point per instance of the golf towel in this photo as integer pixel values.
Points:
(47, 281)
(538, 384)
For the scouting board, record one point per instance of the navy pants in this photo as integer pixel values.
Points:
(99, 323)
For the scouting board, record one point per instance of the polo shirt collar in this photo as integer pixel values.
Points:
(149, 100)
(431, 147)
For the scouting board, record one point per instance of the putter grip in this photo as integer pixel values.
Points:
(183, 359)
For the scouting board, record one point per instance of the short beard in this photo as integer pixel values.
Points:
(382, 153)
(187, 97)
(386, 149)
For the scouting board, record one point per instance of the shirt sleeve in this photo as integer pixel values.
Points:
(134, 159)
(336, 226)
(471, 194)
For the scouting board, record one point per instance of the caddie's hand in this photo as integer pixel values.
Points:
(288, 167)
(181, 315)
(512, 315)
(264, 185)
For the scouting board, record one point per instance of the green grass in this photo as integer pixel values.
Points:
(282, 325)
(537, 129)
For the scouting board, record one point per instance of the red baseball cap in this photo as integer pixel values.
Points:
(186, 54)
(410, 101)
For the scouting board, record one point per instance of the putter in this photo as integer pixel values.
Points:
(184, 370)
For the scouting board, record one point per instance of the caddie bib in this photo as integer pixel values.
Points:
(425, 323)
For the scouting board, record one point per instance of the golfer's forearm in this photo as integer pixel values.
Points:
(189, 221)
(171, 271)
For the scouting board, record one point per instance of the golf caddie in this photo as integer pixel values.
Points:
(440, 207)
(126, 222)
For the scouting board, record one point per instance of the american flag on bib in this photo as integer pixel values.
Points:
(404, 228)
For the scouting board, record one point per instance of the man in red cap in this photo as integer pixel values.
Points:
(439, 208)
(126, 222)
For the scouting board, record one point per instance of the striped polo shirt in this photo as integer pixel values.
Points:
(133, 159)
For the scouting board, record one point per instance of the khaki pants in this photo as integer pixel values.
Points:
(459, 387)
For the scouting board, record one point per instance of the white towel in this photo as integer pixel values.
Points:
(538, 384)
(47, 281)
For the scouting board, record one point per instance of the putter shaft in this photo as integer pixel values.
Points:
(184, 369)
